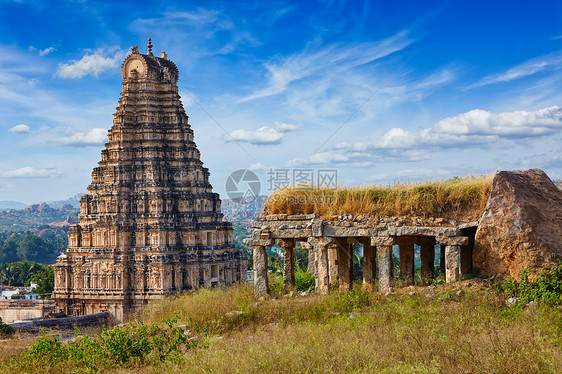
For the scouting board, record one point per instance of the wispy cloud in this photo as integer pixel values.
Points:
(474, 128)
(42, 52)
(527, 68)
(266, 135)
(93, 63)
(19, 129)
(334, 58)
(29, 172)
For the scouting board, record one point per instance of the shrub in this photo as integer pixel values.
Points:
(5, 329)
(547, 288)
(121, 346)
(304, 281)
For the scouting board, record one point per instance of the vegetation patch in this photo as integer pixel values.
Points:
(464, 327)
(452, 198)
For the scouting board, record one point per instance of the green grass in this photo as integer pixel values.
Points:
(436, 329)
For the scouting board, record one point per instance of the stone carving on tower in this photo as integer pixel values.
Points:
(150, 225)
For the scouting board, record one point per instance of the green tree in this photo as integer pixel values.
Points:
(45, 282)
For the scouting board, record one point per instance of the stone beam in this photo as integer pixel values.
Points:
(422, 231)
(457, 240)
(382, 240)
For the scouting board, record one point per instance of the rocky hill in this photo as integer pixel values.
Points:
(36, 216)
(243, 212)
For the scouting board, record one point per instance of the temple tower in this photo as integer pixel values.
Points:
(150, 225)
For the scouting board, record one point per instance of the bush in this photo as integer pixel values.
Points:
(5, 329)
(547, 288)
(304, 281)
(122, 346)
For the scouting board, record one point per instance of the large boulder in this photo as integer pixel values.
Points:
(521, 227)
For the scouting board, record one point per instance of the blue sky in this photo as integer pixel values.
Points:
(379, 90)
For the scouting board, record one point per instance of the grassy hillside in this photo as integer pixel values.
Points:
(463, 328)
(453, 198)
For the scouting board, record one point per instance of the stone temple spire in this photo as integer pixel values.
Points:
(149, 46)
(150, 224)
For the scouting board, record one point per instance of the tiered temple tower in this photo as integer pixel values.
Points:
(150, 224)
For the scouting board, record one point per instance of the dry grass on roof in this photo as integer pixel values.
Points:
(452, 198)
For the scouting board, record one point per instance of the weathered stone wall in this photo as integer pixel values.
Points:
(19, 310)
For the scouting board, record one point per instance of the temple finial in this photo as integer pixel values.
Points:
(149, 46)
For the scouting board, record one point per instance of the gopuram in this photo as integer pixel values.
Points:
(150, 225)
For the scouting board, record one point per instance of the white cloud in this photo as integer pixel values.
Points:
(93, 63)
(257, 166)
(474, 128)
(46, 51)
(71, 136)
(42, 52)
(327, 60)
(265, 135)
(527, 68)
(19, 129)
(29, 172)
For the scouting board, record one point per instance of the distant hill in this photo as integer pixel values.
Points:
(5, 205)
(74, 201)
(558, 182)
(244, 212)
(38, 216)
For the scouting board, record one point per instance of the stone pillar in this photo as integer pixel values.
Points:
(345, 264)
(260, 271)
(322, 267)
(442, 260)
(427, 256)
(369, 265)
(333, 265)
(466, 256)
(406, 245)
(452, 255)
(384, 249)
(311, 258)
(289, 264)
(451, 263)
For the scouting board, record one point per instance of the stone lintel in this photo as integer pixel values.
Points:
(422, 231)
(282, 217)
(319, 241)
(286, 243)
(259, 242)
(335, 231)
(457, 240)
(468, 225)
(382, 241)
(291, 234)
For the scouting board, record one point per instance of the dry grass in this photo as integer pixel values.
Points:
(457, 197)
(365, 333)
(432, 331)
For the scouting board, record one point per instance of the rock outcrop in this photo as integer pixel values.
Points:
(521, 227)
